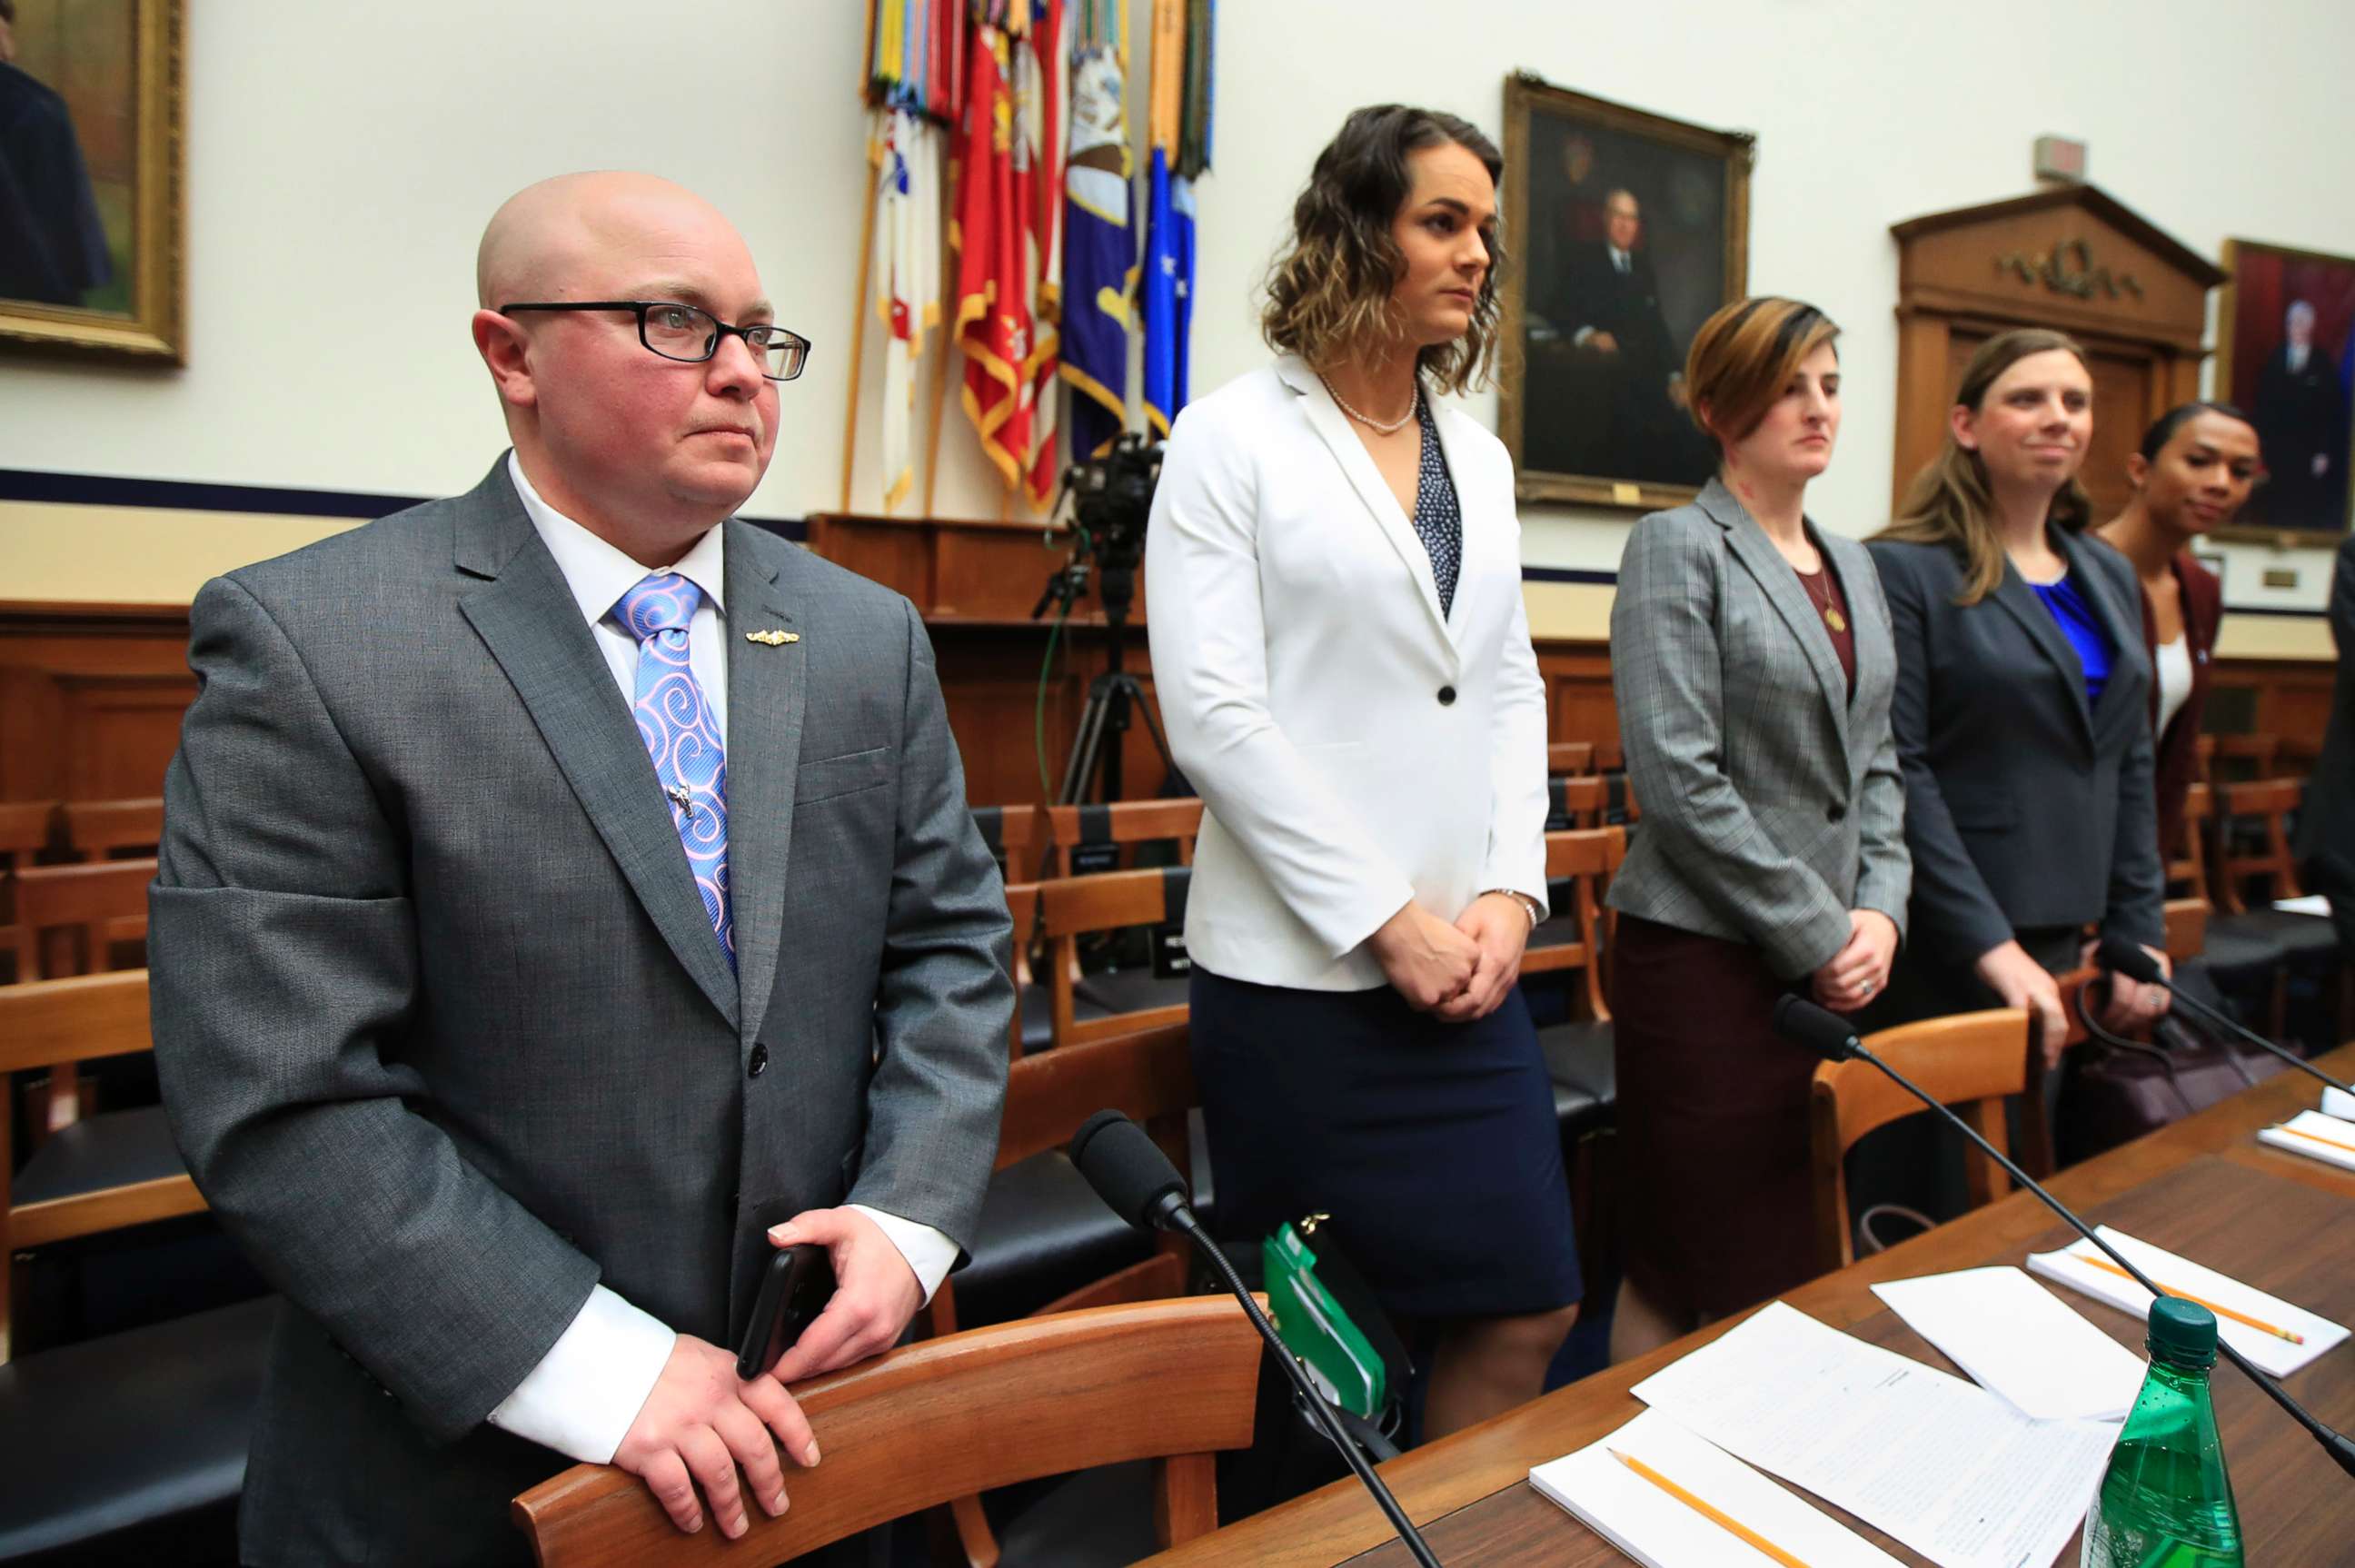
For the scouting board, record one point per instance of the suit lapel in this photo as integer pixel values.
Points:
(530, 623)
(2016, 596)
(1326, 417)
(1786, 593)
(768, 687)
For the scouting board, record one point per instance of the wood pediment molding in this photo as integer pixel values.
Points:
(2072, 257)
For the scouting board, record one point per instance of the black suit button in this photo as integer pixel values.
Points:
(760, 1062)
(1834, 812)
(1447, 696)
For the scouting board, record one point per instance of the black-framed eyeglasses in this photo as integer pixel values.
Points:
(691, 335)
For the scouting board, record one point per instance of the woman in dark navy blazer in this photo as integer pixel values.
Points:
(2022, 710)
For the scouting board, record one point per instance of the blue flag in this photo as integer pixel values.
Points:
(1166, 291)
(1099, 252)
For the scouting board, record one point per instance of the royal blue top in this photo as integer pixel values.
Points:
(2083, 630)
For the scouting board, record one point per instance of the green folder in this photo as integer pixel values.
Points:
(1329, 1320)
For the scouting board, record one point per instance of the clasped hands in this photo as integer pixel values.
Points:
(700, 1424)
(1459, 972)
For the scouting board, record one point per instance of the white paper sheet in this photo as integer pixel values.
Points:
(1659, 1531)
(2335, 1104)
(1949, 1469)
(2326, 1138)
(2017, 1339)
(2276, 1355)
(2312, 903)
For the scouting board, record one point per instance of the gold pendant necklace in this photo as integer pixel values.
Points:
(1832, 617)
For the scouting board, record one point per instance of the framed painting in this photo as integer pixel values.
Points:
(1626, 230)
(92, 253)
(2284, 357)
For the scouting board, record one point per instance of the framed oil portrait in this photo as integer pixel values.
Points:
(2285, 356)
(91, 227)
(1628, 230)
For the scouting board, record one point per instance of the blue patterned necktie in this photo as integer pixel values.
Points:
(682, 737)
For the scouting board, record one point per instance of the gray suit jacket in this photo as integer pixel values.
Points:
(1771, 797)
(2025, 807)
(446, 1033)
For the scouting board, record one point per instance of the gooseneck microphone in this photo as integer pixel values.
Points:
(1829, 1035)
(2131, 960)
(1137, 1182)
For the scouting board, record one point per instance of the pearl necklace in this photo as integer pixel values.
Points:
(1377, 426)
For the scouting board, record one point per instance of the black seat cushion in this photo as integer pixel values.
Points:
(1038, 1015)
(2233, 947)
(1585, 1079)
(1096, 1519)
(1043, 1233)
(2304, 939)
(1115, 991)
(113, 1149)
(132, 1447)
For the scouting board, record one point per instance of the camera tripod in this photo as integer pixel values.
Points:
(1115, 699)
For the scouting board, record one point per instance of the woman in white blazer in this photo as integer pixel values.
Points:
(1342, 664)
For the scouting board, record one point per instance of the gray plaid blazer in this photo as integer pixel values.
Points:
(444, 1032)
(1772, 801)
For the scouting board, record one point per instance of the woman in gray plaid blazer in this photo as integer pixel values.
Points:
(1753, 662)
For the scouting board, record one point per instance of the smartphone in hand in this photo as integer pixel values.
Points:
(795, 1289)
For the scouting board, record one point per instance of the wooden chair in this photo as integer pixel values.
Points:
(1972, 1062)
(2187, 866)
(25, 826)
(117, 1169)
(105, 902)
(100, 830)
(1573, 802)
(2264, 805)
(1570, 759)
(952, 1417)
(2244, 758)
(1121, 824)
(1074, 907)
(1022, 906)
(1578, 1051)
(1149, 1077)
(1579, 863)
(1015, 836)
(2187, 928)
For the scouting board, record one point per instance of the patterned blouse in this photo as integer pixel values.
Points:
(1438, 522)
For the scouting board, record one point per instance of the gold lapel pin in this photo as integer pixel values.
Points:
(772, 639)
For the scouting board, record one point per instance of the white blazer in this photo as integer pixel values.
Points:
(1354, 749)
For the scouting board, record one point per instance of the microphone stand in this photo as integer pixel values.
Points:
(1180, 1217)
(2217, 1016)
(2339, 1447)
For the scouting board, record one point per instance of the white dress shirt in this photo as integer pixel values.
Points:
(581, 1398)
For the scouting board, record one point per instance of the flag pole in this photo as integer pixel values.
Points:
(865, 264)
(948, 333)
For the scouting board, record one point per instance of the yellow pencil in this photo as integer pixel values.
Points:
(2218, 1307)
(1715, 1516)
(2316, 1139)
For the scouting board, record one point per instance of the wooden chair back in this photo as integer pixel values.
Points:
(1580, 865)
(1014, 835)
(2267, 803)
(105, 902)
(1972, 1062)
(1570, 759)
(56, 1024)
(98, 830)
(1121, 823)
(1074, 907)
(25, 826)
(2187, 865)
(1575, 802)
(947, 1418)
(1022, 906)
(2187, 928)
(2245, 757)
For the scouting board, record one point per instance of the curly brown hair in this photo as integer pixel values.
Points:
(1329, 291)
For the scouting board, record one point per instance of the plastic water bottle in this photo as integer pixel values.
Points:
(2165, 1501)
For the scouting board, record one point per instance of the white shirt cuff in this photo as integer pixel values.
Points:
(581, 1398)
(929, 1254)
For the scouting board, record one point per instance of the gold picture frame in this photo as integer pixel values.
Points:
(2297, 505)
(114, 284)
(1585, 422)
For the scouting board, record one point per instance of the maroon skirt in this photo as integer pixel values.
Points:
(1714, 1181)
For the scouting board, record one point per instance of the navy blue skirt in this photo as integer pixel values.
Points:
(1433, 1146)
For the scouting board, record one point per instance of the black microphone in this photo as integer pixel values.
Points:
(1135, 1180)
(2135, 963)
(1802, 1022)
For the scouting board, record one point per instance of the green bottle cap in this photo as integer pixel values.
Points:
(2182, 1331)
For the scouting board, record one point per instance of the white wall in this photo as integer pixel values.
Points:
(343, 158)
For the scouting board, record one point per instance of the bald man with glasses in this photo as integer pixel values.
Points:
(567, 896)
